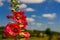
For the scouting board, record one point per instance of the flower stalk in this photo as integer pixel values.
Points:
(19, 22)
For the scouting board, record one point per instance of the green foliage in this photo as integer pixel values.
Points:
(48, 31)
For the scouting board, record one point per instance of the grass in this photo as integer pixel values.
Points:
(35, 38)
(32, 38)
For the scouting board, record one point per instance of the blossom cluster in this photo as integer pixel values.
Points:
(19, 25)
(15, 28)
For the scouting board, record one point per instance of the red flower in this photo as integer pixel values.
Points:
(5, 32)
(12, 29)
(24, 23)
(19, 15)
(20, 18)
(9, 16)
(26, 34)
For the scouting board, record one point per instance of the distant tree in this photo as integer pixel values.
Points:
(1, 27)
(49, 33)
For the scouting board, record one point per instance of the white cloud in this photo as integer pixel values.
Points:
(38, 24)
(29, 9)
(1, 3)
(32, 1)
(36, 16)
(33, 23)
(33, 15)
(23, 6)
(53, 15)
(57, 1)
(30, 19)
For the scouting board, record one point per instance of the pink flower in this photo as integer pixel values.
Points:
(12, 29)
(19, 15)
(5, 32)
(24, 23)
(26, 34)
(20, 18)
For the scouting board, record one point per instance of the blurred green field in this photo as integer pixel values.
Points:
(35, 38)
(31, 38)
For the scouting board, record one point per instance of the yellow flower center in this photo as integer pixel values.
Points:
(21, 25)
(18, 18)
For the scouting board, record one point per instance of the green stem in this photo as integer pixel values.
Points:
(15, 38)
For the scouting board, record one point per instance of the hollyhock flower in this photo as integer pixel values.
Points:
(12, 29)
(19, 15)
(5, 32)
(20, 18)
(23, 24)
(9, 16)
(25, 34)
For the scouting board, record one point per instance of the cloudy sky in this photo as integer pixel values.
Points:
(41, 14)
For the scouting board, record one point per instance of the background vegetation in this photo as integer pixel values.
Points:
(35, 35)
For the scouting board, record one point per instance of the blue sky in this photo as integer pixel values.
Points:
(41, 14)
